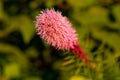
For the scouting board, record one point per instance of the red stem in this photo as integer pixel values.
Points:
(78, 51)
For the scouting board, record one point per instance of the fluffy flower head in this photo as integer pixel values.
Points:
(56, 30)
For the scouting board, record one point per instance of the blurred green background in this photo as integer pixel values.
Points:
(25, 56)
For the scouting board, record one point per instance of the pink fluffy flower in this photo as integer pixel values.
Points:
(56, 30)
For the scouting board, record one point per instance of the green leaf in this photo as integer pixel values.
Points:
(33, 78)
(81, 3)
(16, 55)
(79, 78)
(116, 12)
(109, 38)
(23, 24)
(95, 14)
(12, 70)
(2, 13)
(27, 28)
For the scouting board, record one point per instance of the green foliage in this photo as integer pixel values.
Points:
(24, 56)
(25, 26)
